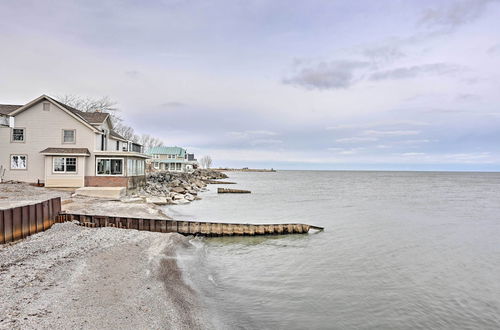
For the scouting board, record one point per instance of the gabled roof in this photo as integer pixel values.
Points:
(83, 117)
(167, 151)
(116, 135)
(6, 109)
(90, 117)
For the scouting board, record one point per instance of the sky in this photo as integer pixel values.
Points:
(312, 84)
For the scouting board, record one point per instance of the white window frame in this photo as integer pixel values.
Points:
(156, 165)
(19, 155)
(74, 136)
(12, 135)
(110, 158)
(46, 106)
(65, 166)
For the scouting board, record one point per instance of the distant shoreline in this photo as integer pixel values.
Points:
(244, 169)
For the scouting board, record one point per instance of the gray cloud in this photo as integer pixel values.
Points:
(495, 49)
(326, 75)
(387, 53)
(455, 14)
(134, 74)
(414, 71)
(172, 104)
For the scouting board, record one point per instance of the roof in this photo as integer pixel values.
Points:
(167, 151)
(89, 117)
(116, 135)
(5, 109)
(79, 151)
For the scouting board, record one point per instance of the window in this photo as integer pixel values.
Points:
(69, 136)
(118, 145)
(156, 165)
(135, 167)
(46, 106)
(64, 165)
(18, 162)
(178, 166)
(18, 134)
(109, 166)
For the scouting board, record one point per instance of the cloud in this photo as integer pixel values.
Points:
(134, 74)
(326, 75)
(261, 142)
(391, 133)
(456, 14)
(467, 97)
(379, 124)
(387, 53)
(414, 71)
(495, 49)
(413, 154)
(356, 139)
(172, 104)
(250, 134)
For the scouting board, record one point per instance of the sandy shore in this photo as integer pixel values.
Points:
(93, 278)
(12, 195)
(75, 277)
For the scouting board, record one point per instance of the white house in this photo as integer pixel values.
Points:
(52, 143)
(172, 159)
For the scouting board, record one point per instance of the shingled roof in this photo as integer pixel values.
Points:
(5, 109)
(72, 151)
(90, 117)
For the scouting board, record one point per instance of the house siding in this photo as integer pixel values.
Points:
(43, 129)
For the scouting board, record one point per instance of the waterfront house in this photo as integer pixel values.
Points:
(172, 159)
(48, 142)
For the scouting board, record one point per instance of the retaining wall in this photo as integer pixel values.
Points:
(19, 222)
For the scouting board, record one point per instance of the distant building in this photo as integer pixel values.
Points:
(172, 159)
(46, 141)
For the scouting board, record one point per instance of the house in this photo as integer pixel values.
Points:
(172, 159)
(49, 142)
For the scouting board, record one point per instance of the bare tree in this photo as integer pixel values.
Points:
(206, 162)
(149, 141)
(105, 104)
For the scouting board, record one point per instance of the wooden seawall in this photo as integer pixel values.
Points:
(196, 228)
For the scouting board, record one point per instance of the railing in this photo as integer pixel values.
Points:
(22, 221)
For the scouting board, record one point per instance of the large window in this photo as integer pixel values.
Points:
(69, 136)
(64, 165)
(109, 166)
(135, 167)
(18, 135)
(18, 162)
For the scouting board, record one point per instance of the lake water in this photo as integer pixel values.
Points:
(401, 250)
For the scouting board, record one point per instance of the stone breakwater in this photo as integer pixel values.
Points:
(163, 188)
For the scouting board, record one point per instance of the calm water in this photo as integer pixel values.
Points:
(401, 250)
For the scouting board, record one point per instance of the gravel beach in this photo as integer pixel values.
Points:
(75, 277)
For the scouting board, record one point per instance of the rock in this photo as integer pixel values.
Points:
(157, 200)
(132, 200)
(179, 190)
(189, 197)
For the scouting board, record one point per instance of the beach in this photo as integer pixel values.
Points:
(74, 277)
(94, 278)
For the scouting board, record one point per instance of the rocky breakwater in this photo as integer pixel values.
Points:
(163, 188)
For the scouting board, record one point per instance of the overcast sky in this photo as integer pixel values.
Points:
(387, 84)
